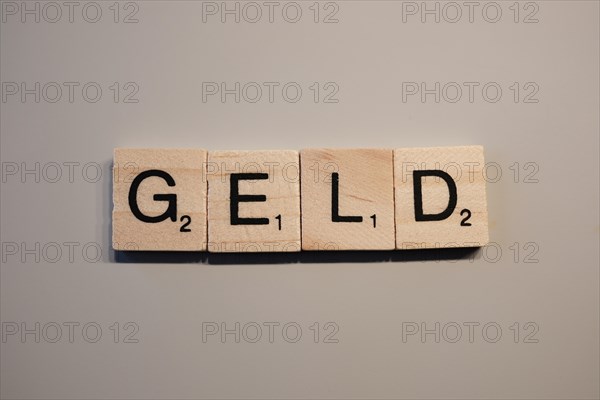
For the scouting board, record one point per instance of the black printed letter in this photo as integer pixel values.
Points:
(335, 199)
(235, 199)
(419, 216)
(171, 211)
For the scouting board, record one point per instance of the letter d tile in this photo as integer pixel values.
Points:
(440, 197)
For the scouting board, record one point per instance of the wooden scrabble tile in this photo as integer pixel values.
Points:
(253, 201)
(347, 199)
(159, 198)
(440, 197)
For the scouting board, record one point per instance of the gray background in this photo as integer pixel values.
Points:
(551, 216)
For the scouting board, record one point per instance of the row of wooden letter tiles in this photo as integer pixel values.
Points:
(285, 200)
